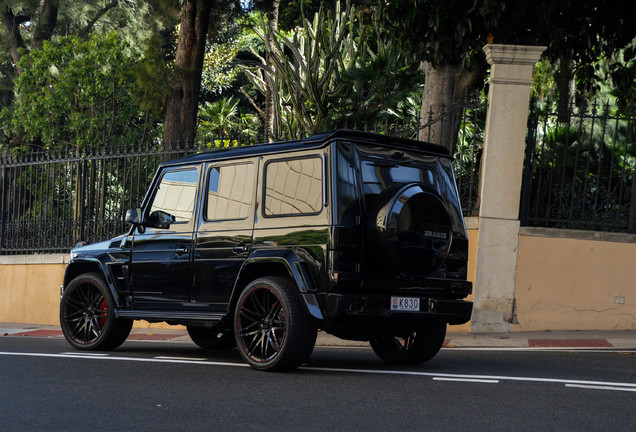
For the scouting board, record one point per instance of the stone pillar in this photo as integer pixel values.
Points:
(500, 184)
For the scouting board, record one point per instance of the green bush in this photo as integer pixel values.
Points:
(79, 93)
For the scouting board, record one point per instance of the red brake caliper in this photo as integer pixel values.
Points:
(102, 309)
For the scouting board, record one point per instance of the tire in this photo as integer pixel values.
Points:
(413, 347)
(272, 330)
(410, 230)
(87, 315)
(211, 338)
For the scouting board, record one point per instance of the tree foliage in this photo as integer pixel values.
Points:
(77, 92)
(579, 36)
(384, 85)
(443, 31)
(333, 71)
(320, 76)
(222, 119)
(448, 36)
(27, 25)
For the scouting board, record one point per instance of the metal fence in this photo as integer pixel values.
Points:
(471, 118)
(579, 169)
(51, 200)
(578, 174)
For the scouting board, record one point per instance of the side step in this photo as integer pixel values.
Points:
(169, 315)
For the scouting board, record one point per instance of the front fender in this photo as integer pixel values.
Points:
(77, 266)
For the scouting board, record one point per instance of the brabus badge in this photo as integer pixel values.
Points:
(436, 234)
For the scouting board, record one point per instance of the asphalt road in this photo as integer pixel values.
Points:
(45, 385)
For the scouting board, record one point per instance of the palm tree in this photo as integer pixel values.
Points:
(222, 119)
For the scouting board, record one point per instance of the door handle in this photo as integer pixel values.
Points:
(240, 249)
(181, 251)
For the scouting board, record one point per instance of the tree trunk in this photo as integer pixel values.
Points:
(564, 80)
(11, 25)
(183, 101)
(444, 93)
(273, 7)
(46, 23)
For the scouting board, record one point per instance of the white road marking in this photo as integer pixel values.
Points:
(180, 358)
(600, 387)
(168, 341)
(485, 381)
(86, 354)
(449, 349)
(461, 376)
(630, 386)
(130, 359)
(555, 349)
(366, 347)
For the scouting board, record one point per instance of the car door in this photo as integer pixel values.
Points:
(224, 237)
(162, 250)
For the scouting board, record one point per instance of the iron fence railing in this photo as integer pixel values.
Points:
(579, 169)
(578, 174)
(51, 200)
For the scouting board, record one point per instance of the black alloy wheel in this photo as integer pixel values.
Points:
(272, 330)
(87, 315)
(412, 347)
(212, 338)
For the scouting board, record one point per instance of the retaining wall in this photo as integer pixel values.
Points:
(565, 280)
(575, 280)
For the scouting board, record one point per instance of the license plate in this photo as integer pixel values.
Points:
(411, 304)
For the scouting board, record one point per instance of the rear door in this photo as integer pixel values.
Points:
(226, 223)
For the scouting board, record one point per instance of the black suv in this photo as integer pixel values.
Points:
(358, 234)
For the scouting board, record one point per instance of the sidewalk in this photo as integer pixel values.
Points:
(545, 339)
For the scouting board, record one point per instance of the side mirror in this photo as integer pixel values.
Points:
(160, 219)
(133, 217)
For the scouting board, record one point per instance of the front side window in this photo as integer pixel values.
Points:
(293, 187)
(175, 194)
(230, 192)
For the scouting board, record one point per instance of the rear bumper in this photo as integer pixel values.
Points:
(376, 307)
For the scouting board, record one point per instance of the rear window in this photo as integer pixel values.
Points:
(379, 171)
(378, 175)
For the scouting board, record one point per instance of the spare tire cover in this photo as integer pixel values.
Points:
(412, 229)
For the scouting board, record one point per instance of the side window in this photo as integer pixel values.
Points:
(293, 187)
(230, 192)
(175, 194)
